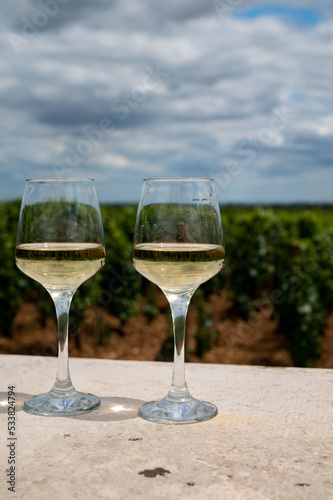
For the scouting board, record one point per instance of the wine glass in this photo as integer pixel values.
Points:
(178, 246)
(60, 244)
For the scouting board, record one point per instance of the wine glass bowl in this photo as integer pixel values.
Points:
(178, 245)
(60, 244)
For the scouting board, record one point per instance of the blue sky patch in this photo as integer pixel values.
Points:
(299, 16)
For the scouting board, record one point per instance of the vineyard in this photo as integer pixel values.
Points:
(276, 290)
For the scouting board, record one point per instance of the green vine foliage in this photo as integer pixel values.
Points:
(276, 256)
(250, 246)
(13, 283)
(120, 283)
(285, 260)
(205, 335)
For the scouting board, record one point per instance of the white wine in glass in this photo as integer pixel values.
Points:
(178, 246)
(60, 244)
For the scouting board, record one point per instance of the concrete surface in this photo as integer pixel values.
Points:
(272, 438)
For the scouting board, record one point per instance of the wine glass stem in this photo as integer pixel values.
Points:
(179, 305)
(62, 301)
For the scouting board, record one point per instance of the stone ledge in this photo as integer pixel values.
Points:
(272, 438)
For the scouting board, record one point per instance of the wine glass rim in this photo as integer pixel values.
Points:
(178, 179)
(39, 179)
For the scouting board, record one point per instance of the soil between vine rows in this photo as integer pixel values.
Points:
(236, 342)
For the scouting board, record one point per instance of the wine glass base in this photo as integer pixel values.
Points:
(189, 411)
(57, 405)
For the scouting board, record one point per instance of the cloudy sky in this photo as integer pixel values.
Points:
(238, 90)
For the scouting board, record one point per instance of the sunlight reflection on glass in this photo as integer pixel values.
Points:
(117, 408)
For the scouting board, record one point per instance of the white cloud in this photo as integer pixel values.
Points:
(182, 91)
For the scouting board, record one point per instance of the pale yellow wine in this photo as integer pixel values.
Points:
(178, 267)
(60, 266)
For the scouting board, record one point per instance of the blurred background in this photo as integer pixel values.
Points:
(237, 90)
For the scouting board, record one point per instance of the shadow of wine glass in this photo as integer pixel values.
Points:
(112, 409)
(18, 401)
